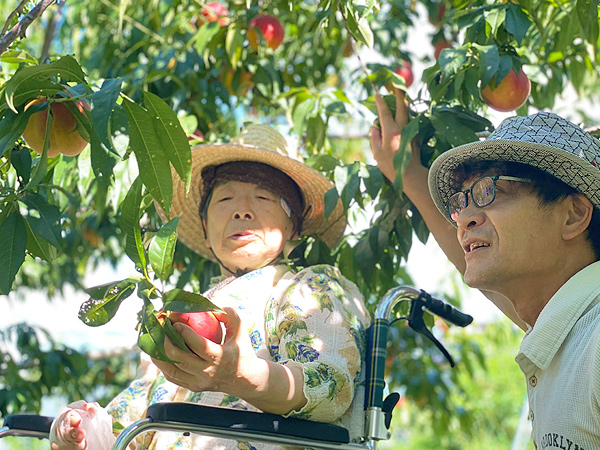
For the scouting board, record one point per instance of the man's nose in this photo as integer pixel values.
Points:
(470, 217)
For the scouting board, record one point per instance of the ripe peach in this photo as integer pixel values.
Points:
(64, 137)
(215, 12)
(510, 94)
(271, 29)
(204, 323)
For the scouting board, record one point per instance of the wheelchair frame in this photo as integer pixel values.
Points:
(274, 429)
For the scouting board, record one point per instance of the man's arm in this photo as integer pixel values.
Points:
(385, 143)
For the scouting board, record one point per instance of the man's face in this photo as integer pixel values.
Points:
(513, 240)
(246, 226)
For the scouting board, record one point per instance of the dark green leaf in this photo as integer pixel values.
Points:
(152, 335)
(301, 114)
(172, 138)
(104, 101)
(43, 218)
(517, 22)
(373, 179)
(182, 301)
(21, 161)
(104, 301)
(66, 68)
(451, 127)
(13, 241)
(39, 247)
(154, 167)
(129, 221)
(12, 126)
(489, 60)
(331, 200)
(162, 248)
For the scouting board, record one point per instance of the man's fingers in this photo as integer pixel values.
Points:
(401, 107)
(375, 139)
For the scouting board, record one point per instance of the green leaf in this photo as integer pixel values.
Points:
(489, 61)
(182, 301)
(331, 200)
(45, 220)
(352, 185)
(162, 249)
(205, 34)
(174, 336)
(301, 114)
(39, 247)
(152, 335)
(495, 18)
(104, 301)
(373, 179)
(517, 22)
(104, 102)
(12, 126)
(66, 68)
(129, 221)
(21, 161)
(13, 241)
(402, 156)
(234, 41)
(449, 125)
(172, 138)
(587, 12)
(154, 168)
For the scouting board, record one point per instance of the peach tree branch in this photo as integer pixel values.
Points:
(18, 31)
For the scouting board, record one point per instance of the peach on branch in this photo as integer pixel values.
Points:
(271, 29)
(510, 94)
(64, 137)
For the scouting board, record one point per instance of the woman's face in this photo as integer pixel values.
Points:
(246, 227)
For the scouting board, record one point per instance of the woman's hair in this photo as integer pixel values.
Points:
(548, 189)
(260, 174)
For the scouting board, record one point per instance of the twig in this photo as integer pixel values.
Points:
(17, 10)
(18, 31)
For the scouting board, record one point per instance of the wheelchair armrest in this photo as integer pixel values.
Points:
(246, 421)
(26, 425)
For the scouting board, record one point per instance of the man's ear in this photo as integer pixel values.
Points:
(579, 215)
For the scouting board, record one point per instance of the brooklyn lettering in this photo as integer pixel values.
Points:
(555, 440)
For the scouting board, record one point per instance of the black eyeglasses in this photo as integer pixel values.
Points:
(483, 192)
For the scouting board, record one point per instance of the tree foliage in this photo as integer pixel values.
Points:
(158, 75)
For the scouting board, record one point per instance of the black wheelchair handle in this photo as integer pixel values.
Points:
(445, 310)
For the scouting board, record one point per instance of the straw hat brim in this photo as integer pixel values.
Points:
(312, 184)
(572, 170)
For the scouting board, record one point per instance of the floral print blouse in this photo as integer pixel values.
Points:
(315, 318)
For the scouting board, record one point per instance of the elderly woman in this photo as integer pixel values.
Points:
(294, 342)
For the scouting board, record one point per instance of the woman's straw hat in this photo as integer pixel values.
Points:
(543, 140)
(263, 144)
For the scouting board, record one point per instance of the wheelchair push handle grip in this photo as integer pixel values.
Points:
(446, 311)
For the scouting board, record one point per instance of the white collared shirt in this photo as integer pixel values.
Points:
(560, 357)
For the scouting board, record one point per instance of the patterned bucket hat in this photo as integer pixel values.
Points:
(543, 140)
(257, 143)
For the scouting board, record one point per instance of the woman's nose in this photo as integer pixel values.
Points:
(243, 211)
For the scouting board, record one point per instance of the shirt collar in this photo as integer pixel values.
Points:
(560, 314)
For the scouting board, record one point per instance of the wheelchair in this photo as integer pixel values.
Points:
(274, 429)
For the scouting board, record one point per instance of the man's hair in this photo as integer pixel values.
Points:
(548, 189)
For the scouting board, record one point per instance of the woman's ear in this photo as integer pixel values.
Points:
(205, 231)
(579, 215)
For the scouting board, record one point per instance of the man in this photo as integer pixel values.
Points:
(525, 207)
